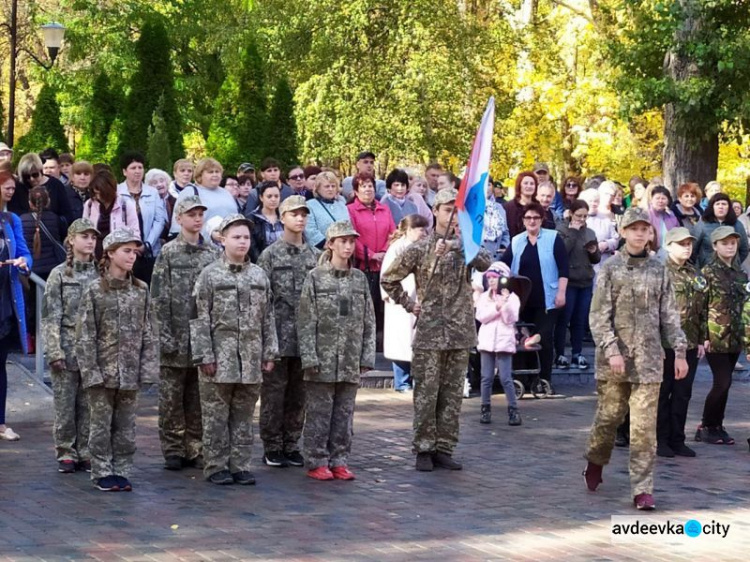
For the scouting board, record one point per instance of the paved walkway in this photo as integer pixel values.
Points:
(520, 496)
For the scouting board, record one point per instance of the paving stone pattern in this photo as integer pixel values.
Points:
(520, 496)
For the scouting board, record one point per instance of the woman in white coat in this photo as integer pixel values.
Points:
(399, 324)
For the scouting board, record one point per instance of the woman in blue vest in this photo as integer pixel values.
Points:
(539, 254)
(15, 259)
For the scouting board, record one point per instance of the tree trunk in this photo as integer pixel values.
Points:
(689, 154)
(687, 158)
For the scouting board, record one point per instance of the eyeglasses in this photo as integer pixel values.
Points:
(535, 218)
(297, 177)
(571, 184)
(35, 175)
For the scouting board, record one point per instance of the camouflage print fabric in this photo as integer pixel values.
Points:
(329, 416)
(176, 270)
(728, 308)
(116, 346)
(180, 429)
(438, 395)
(227, 412)
(62, 299)
(282, 406)
(633, 310)
(336, 324)
(233, 324)
(447, 317)
(613, 401)
(71, 428)
(287, 266)
(112, 433)
(690, 292)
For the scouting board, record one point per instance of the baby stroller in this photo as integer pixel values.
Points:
(526, 362)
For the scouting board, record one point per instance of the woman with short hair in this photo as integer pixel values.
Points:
(718, 213)
(686, 208)
(325, 209)
(30, 173)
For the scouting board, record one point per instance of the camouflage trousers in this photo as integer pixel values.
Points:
(71, 430)
(438, 393)
(180, 429)
(112, 434)
(613, 401)
(282, 406)
(227, 413)
(329, 416)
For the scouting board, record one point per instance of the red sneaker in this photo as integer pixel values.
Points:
(644, 502)
(342, 473)
(592, 475)
(320, 473)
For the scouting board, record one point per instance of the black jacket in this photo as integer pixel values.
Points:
(58, 200)
(46, 262)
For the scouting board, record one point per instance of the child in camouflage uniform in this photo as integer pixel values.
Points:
(728, 311)
(117, 352)
(62, 297)
(282, 396)
(233, 340)
(177, 268)
(336, 327)
(632, 312)
(690, 297)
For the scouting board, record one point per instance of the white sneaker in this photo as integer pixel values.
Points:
(9, 435)
(467, 388)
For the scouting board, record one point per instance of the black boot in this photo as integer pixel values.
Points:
(486, 416)
(514, 417)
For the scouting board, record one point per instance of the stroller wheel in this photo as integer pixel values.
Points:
(520, 390)
(541, 388)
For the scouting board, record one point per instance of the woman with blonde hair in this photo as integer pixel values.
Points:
(325, 209)
(30, 173)
(399, 324)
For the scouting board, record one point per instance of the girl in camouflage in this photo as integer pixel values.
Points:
(62, 297)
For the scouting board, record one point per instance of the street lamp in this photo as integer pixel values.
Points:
(53, 36)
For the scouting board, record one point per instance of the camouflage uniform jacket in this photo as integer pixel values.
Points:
(447, 317)
(632, 312)
(336, 324)
(287, 266)
(62, 298)
(690, 291)
(728, 308)
(233, 324)
(176, 270)
(115, 342)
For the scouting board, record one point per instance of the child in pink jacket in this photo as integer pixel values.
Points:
(497, 309)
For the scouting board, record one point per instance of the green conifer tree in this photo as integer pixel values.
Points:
(282, 126)
(46, 129)
(158, 155)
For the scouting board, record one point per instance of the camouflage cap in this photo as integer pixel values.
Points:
(80, 226)
(234, 218)
(678, 235)
(339, 229)
(634, 215)
(120, 236)
(723, 232)
(292, 203)
(445, 196)
(188, 204)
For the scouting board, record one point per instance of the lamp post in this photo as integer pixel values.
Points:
(53, 36)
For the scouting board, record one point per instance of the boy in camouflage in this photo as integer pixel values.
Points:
(177, 268)
(445, 332)
(282, 395)
(632, 312)
(336, 327)
(62, 297)
(233, 340)
(728, 312)
(117, 353)
(690, 297)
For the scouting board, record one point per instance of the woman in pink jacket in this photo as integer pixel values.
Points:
(107, 210)
(497, 309)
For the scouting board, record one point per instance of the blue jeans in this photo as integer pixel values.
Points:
(503, 362)
(401, 375)
(577, 305)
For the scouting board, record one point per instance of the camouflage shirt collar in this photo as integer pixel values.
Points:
(117, 284)
(234, 267)
(200, 246)
(83, 265)
(337, 272)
